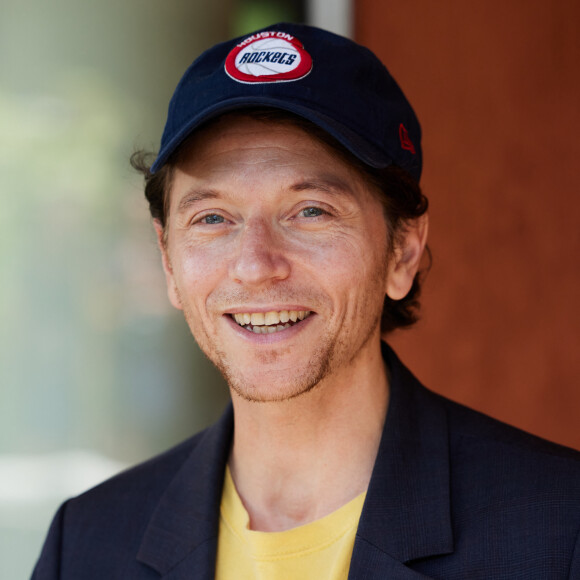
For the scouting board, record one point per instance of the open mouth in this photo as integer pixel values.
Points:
(269, 322)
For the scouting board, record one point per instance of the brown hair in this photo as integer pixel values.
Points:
(399, 193)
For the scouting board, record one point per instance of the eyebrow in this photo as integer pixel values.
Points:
(332, 185)
(194, 196)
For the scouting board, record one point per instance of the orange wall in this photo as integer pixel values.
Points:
(497, 87)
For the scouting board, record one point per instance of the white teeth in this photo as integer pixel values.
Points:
(257, 318)
(268, 322)
(271, 318)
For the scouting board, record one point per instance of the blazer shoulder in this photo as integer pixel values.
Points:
(151, 478)
(104, 525)
(465, 422)
(141, 484)
(101, 531)
(468, 423)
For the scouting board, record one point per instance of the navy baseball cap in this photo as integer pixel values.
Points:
(330, 80)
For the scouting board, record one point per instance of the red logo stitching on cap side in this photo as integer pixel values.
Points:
(268, 57)
(406, 142)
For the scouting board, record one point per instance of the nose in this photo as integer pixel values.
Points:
(260, 257)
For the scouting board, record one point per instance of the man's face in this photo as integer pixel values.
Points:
(276, 251)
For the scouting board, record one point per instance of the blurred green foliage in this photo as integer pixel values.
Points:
(254, 14)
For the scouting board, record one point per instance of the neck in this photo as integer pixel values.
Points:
(298, 460)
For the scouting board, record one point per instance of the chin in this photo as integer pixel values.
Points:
(265, 394)
(276, 385)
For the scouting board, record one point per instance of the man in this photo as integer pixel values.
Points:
(291, 226)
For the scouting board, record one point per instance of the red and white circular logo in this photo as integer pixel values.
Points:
(268, 57)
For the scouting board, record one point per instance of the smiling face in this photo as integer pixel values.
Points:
(276, 250)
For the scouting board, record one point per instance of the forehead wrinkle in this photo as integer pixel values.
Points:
(223, 156)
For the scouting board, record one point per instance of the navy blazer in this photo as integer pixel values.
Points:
(454, 495)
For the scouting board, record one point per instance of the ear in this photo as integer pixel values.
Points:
(167, 268)
(406, 258)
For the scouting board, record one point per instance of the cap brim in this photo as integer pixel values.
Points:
(359, 147)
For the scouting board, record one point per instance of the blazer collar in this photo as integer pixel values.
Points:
(407, 513)
(182, 534)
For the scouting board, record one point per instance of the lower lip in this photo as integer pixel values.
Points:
(271, 337)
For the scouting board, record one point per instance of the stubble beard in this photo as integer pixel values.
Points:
(301, 382)
(317, 368)
(329, 355)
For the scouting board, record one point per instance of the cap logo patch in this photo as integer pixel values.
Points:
(406, 142)
(268, 57)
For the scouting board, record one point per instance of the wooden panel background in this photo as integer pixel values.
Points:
(496, 86)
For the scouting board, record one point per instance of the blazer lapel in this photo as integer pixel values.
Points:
(407, 512)
(181, 539)
(372, 563)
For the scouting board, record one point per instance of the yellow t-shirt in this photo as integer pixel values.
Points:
(320, 549)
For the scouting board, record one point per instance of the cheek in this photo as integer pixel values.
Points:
(197, 271)
(349, 257)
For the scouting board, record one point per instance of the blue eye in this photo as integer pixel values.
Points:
(213, 219)
(312, 212)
